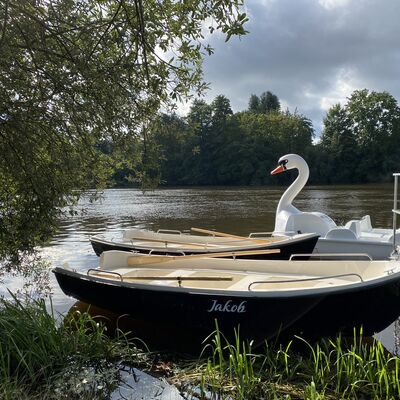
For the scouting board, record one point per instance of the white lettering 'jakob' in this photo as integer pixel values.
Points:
(228, 306)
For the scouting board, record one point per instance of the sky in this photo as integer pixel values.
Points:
(311, 53)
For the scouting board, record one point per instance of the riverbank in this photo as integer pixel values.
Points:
(42, 359)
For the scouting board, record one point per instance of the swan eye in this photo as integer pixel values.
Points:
(283, 163)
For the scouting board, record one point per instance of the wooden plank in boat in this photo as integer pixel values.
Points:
(228, 235)
(153, 259)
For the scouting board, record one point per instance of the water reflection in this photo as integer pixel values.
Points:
(156, 336)
(227, 209)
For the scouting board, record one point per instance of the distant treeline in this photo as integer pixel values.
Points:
(214, 146)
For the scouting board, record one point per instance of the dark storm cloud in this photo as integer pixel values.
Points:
(310, 53)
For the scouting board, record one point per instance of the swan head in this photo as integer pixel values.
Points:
(289, 161)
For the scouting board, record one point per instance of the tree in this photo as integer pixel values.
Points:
(254, 103)
(265, 137)
(269, 102)
(200, 117)
(266, 103)
(173, 139)
(200, 123)
(338, 142)
(74, 74)
(374, 117)
(361, 136)
(221, 109)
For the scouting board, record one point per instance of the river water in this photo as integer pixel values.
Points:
(237, 210)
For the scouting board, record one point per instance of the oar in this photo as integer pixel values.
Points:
(166, 241)
(229, 235)
(215, 233)
(153, 259)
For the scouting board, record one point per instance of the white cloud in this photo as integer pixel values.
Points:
(345, 84)
(331, 4)
(183, 107)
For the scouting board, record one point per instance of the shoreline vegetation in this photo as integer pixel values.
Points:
(43, 359)
(212, 145)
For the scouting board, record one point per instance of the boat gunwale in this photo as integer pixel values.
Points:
(306, 292)
(362, 241)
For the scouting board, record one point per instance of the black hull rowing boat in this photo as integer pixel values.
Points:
(302, 244)
(256, 316)
(260, 314)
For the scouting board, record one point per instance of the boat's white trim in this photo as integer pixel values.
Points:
(309, 291)
(306, 277)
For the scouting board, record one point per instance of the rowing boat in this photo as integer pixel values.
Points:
(177, 243)
(263, 297)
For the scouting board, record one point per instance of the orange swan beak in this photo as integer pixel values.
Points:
(278, 170)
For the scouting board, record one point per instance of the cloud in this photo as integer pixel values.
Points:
(310, 53)
(331, 4)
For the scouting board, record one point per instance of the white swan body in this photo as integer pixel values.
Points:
(357, 236)
(290, 220)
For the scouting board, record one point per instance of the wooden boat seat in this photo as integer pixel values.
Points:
(171, 245)
(175, 273)
(213, 284)
(131, 274)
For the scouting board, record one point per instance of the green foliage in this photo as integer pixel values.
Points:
(266, 103)
(213, 146)
(221, 109)
(269, 102)
(254, 103)
(79, 79)
(339, 141)
(360, 138)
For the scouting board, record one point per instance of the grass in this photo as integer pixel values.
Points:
(330, 369)
(41, 359)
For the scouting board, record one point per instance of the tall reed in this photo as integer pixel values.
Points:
(230, 366)
(335, 368)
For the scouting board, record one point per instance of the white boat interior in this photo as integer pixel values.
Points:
(289, 220)
(177, 237)
(272, 276)
(167, 239)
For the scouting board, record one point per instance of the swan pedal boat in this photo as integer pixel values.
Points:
(356, 236)
(264, 297)
(178, 243)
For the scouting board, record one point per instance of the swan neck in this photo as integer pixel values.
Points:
(295, 188)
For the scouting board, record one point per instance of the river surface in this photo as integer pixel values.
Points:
(237, 210)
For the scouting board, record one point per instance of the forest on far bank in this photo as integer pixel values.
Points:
(211, 145)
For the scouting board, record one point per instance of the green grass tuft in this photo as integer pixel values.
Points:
(39, 357)
(330, 369)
